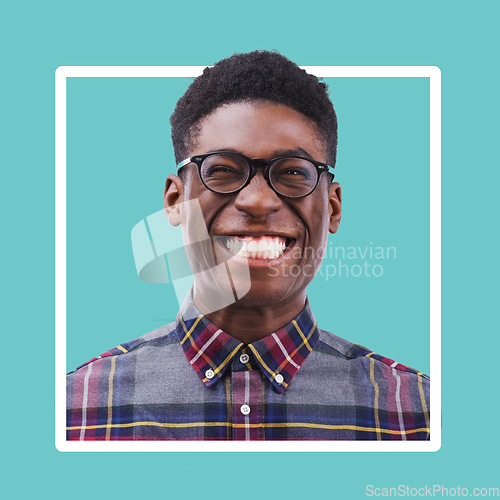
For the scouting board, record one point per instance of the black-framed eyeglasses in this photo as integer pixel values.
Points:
(227, 173)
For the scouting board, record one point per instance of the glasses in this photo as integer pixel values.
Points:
(228, 173)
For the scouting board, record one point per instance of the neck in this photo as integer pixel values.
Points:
(249, 322)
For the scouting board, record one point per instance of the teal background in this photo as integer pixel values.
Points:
(37, 37)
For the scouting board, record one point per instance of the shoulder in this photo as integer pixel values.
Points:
(370, 379)
(383, 393)
(160, 336)
(331, 344)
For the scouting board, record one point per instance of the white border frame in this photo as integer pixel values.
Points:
(64, 72)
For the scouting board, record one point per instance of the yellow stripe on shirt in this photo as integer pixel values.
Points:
(257, 355)
(302, 335)
(297, 349)
(422, 399)
(240, 426)
(223, 364)
(188, 334)
(375, 402)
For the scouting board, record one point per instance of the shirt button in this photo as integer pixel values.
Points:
(245, 409)
(209, 374)
(279, 378)
(244, 358)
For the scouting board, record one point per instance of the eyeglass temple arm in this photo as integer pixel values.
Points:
(183, 163)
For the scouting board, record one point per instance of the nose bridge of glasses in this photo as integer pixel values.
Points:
(259, 163)
(263, 186)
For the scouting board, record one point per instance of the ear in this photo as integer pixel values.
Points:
(334, 206)
(173, 197)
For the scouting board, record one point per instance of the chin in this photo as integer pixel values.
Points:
(265, 294)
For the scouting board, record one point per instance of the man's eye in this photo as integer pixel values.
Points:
(296, 172)
(217, 169)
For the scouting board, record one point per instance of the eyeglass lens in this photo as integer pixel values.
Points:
(226, 173)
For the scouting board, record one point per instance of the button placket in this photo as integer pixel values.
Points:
(246, 395)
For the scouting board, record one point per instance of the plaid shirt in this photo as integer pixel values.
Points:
(192, 381)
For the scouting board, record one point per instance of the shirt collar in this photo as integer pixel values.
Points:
(279, 355)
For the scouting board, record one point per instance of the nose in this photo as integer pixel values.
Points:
(258, 198)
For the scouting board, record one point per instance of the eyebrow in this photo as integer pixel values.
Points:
(276, 154)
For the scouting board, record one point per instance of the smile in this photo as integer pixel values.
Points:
(257, 247)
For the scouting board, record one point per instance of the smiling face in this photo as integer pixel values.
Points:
(282, 239)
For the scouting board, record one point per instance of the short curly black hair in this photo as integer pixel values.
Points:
(258, 75)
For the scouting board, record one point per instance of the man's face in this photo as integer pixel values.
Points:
(256, 215)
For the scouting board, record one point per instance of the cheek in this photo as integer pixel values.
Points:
(215, 208)
(316, 219)
(316, 237)
(196, 194)
(318, 248)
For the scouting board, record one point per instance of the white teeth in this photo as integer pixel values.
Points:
(253, 246)
(263, 247)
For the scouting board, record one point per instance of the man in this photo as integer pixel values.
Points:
(255, 139)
